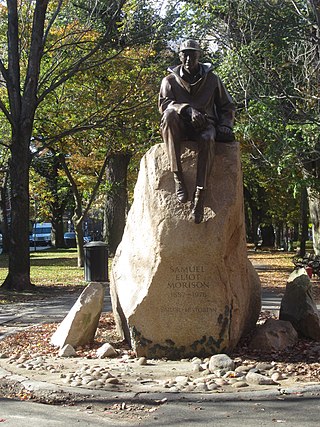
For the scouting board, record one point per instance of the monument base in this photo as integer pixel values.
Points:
(181, 289)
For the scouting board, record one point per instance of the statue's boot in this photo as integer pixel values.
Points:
(198, 205)
(181, 190)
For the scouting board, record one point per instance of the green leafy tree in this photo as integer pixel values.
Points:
(50, 193)
(34, 63)
(117, 118)
(268, 53)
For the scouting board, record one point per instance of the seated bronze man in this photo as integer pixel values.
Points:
(195, 105)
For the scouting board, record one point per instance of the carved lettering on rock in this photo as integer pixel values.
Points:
(187, 277)
(188, 290)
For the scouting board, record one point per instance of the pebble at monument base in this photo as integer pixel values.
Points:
(181, 289)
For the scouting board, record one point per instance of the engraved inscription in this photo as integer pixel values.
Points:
(188, 291)
(175, 309)
(176, 294)
(186, 278)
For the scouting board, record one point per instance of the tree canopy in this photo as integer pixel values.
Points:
(50, 47)
(79, 81)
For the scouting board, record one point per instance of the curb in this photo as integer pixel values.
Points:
(240, 395)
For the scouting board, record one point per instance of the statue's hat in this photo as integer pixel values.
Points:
(190, 45)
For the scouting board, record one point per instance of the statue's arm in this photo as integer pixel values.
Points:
(225, 106)
(167, 98)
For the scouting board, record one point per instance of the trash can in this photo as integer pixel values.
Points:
(96, 262)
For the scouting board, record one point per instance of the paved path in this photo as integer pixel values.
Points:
(21, 315)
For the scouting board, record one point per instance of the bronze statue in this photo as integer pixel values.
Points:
(195, 106)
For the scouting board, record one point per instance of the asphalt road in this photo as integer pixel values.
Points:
(290, 411)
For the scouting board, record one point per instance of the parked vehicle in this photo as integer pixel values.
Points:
(70, 239)
(41, 234)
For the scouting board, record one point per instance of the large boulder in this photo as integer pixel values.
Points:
(274, 335)
(80, 324)
(181, 289)
(298, 306)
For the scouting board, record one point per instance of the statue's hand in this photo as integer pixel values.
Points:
(198, 119)
(225, 134)
(225, 129)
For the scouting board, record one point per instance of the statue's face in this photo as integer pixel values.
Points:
(190, 60)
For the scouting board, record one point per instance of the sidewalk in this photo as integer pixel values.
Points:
(21, 315)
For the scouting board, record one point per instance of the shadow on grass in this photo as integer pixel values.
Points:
(54, 262)
(38, 293)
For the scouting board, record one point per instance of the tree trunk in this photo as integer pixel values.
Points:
(248, 222)
(116, 200)
(19, 263)
(295, 235)
(279, 235)
(22, 97)
(256, 216)
(78, 228)
(57, 228)
(4, 215)
(267, 234)
(314, 208)
(304, 221)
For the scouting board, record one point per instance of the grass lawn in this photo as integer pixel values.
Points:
(52, 271)
(55, 270)
(50, 267)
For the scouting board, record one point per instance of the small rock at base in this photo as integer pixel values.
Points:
(201, 387)
(67, 351)
(112, 380)
(258, 379)
(142, 361)
(221, 361)
(276, 376)
(106, 350)
(212, 386)
(263, 366)
(4, 356)
(239, 384)
(196, 367)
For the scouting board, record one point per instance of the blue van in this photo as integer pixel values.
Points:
(41, 234)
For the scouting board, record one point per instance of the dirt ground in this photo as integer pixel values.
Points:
(277, 267)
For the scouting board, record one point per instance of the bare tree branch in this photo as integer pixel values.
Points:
(36, 50)
(13, 79)
(72, 71)
(51, 22)
(96, 186)
(3, 70)
(73, 184)
(98, 124)
(82, 63)
(6, 112)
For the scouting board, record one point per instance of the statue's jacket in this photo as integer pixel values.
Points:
(207, 95)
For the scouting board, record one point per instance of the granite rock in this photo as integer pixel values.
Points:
(181, 289)
(80, 324)
(274, 335)
(298, 306)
